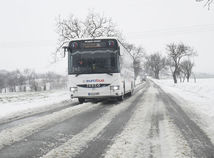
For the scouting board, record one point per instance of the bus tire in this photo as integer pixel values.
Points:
(130, 94)
(81, 100)
(120, 98)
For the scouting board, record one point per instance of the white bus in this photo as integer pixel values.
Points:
(99, 68)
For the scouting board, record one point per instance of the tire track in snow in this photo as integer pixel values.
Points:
(198, 141)
(27, 117)
(149, 133)
(14, 134)
(43, 141)
(157, 115)
(80, 141)
(106, 136)
(133, 140)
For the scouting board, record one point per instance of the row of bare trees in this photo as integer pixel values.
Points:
(179, 58)
(177, 61)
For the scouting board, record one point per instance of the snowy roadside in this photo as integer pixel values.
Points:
(15, 105)
(196, 99)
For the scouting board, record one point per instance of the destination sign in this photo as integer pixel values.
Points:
(93, 44)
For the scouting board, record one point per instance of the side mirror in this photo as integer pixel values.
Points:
(65, 50)
(119, 53)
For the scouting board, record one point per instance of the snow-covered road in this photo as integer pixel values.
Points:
(151, 123)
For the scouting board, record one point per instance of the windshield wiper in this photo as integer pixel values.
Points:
(77, 75)
(92, 73)
(109, 73)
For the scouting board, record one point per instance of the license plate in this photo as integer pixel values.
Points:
(92, 94)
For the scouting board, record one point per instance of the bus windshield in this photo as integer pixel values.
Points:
(98, 61)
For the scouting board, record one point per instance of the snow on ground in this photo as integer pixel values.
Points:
(196, 98)
(25, 102)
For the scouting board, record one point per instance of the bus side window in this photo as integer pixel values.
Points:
(120, 62)
(71, 64)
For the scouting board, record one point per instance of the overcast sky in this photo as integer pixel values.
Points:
(28, 37)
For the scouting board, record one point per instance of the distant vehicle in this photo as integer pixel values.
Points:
(99, 68)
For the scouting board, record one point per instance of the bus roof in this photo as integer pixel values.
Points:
(97, 38)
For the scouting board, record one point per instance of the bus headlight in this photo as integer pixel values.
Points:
(73, 89)
(114, 87)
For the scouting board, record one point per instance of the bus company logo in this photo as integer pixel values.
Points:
(94, 80)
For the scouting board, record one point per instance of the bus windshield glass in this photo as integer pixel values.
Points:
(96, 61)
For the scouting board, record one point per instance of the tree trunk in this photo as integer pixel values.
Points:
(174, 77)
(157, 75)
(184, 78)
(188, 76)
(180, 78)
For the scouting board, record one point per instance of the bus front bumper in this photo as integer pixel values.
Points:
(97, 95)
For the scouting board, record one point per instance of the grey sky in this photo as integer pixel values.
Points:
(27, 30)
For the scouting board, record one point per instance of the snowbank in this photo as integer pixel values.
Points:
(12, 103)
(196, 98)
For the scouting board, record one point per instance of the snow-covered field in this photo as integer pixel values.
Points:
(25, 102)
(197, 99)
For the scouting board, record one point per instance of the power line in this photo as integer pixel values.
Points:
(20, 44)
(175, 31)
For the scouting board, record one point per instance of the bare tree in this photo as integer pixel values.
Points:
(2, 80)
(186, 67)
(155, 63)
(94, 25)
(207, 2)
(97, 25)
(31, 77)
(176, 52)
(138, 55)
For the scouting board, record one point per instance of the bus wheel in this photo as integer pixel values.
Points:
(120, 98)
(81, 100)
(130, 94)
